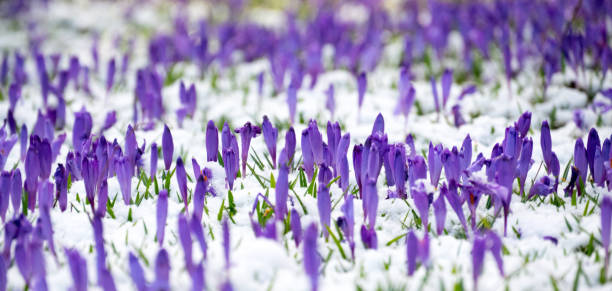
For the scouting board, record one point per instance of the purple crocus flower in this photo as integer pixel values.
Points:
(181, 179)
(342, 166)
(102, 199)
(137, 273)
(45, 198)
(110, 75)
(231, 165)
(421, 201)
(198, 196)
(197, 278)
(14, 94)
(124, 176)
(434, 161)
(598, 168)
(406, 93)
(347, 222)
(198, 232)
(290, 141)
(109, 121)
(434, 90)
(296, 227)
(592, 142)
(455, 201)
(483, 242)
(457, 117)
(167, 147)
(370, 202)
(247, 131)
(311, 256)
(292, 102)
(523, 124)
(212, 141)
(368, 237)
(78, 269)
(16, 191)
(162, 271)
(61, 186)
(162, 214)
(524, 163)
(606, 221)
(362, 84)
(439, 207)
(5, 188)
(447, 81)
(282, 192)
(546, 144)
(324, 206)
(184, 234)
(82, 128)
(398, 157)
(307, 154)
(270, 134)
(90, 168)
(580, 161)
(379, 124)
(330, 102)
(452, 166)
(542, 187)
(316, 142)
(226, 243)
(416, 251)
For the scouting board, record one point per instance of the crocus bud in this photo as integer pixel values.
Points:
(212, 141)
(162, 214)
(81, 129)
(290, 143)
(282, 192)
(324, 206)
(362, 84)
(270, 134)
(311, 256)
(124, 176)
(137, 273)
(296, 227)
(167, 147)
